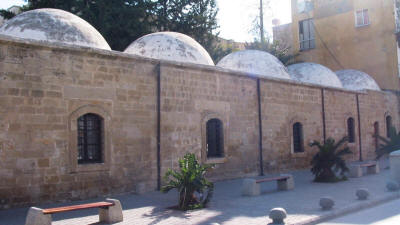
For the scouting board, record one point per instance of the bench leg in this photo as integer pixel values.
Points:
(36, 217)
(112, 214)
(288, 184)
(355, 171)
(250, 187)
(373, 169)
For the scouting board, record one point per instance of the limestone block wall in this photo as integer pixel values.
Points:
(283, 105)
(42, 92)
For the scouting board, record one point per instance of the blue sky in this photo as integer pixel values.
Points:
(235, 17)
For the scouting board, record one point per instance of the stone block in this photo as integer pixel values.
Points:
(288, 184)
(277, 215)
(250, 187)
(394, 159)
(36, 217)
(140, 188)
(373, 169)
(326, 203)
(362, 194)
(355, 171)
(112, 214)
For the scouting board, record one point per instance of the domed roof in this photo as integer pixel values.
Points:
(315, 74)
(356, 80)
(170, 46)
(54, 25)
(255, 62)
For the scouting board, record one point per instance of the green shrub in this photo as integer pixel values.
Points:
(328, 161)
(389, 144)
(188, 180)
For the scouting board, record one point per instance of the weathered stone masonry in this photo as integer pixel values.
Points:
(44, 88)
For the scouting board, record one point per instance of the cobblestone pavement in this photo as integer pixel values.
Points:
(229, 207)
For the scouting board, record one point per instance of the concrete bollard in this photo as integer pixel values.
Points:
(392, 185)
(395, 165)
(277, 215)
(362, 194)
(326, 203)
(112, 214)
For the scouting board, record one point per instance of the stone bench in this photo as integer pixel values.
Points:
(109, 212)
(356, 169)
(251, 187)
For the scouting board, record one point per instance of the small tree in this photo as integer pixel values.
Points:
(389, 144)
(328, 160)
(188, 180)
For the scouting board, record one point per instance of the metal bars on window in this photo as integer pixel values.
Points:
(306, 34)
(90, 143)
(215, 138)
(388, 125)
(351, 130)
(298, 138)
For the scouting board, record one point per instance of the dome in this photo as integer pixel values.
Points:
(170, 46)
(356, 80)
(54, 25)
(255, 62)
(315, 74)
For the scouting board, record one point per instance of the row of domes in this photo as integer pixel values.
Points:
(59, 26)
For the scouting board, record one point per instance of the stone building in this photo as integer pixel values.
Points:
(78, 120)
(347, 34)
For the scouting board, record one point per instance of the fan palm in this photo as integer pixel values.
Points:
(389, 144)
(329, 160)
(188, 180)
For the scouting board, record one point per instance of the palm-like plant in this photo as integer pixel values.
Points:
(389, 144)
(328, 160)
(188, 180)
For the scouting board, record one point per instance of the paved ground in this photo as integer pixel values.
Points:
(229, 207)
(385, 214)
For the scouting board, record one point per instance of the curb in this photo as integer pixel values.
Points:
(349, 209)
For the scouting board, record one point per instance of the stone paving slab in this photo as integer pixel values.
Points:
(229, 207)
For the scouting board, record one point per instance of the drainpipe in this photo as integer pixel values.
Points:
(260, 127)
(359, 127)
(158, 126)
(323, 114)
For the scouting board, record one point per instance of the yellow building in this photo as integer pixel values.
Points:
(356, 34)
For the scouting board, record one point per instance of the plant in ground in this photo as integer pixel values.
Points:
(389, 144)
(328, 160)
(188, 180)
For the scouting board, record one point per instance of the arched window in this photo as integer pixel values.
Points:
(90, 135)
(388, 125)
(215, 138)
(350, 130)
(376, 134)
(298, 142)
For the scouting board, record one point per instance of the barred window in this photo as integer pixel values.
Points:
(298, 142)
(350, 130)
(90, 135)
(215, 138)
(306, 34)
(376, 134)
(388, 125)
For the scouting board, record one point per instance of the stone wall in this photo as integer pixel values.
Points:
(45, 88)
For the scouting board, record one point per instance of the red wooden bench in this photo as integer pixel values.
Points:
(356, 168)
(251, 187)
(110, 211)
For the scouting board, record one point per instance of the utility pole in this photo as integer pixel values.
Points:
(262, 22)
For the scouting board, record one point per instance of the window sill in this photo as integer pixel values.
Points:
(90, 167)
(298, 154)
(215, 160)
(305, 50)
(363, 25)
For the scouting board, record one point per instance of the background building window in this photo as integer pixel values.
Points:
(350, 130)
(215, 138)
(298, 142)
(362, 18)
(376, 134)
(304, 6)
(90, 143)
(388, 125)
(306, 34)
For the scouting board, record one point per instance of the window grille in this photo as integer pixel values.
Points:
(298, 142)
(215, 138)
(350, 130)
(376, 134)
(90, 138)
(306, 34)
